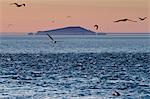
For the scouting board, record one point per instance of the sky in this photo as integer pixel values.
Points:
(40, 15)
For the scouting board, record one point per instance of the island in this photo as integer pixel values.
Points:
(74, 30)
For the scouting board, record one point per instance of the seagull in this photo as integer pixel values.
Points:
(115, 93)
(124, 20)
(17, 5)
(68, 16)
(51, 38)
(142, 18)
(96, 27)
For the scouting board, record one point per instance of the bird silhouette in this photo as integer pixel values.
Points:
(51, 38)
(115, 93)
(96, 27)
(17, 5)
(68, 16)
(123, 20)
(142, 18)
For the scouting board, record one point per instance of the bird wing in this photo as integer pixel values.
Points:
(140, 18)
(119, 20)
(15, 4)
(96, 26)
(144, 17)
(50, 37)
(23, 4)
(131, 20)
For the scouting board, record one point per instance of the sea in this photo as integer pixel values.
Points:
(75, 67)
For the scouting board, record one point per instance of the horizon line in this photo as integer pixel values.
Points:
(107, 33)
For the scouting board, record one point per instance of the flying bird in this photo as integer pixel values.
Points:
(9, 25)
(142, 18)
(51, 38)
(115, 93)
(68, 16)
(96, 27)
(123, 20)
(53, 21)
(17, 5)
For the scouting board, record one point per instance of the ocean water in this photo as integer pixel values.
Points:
(74, 44)
(76, 67)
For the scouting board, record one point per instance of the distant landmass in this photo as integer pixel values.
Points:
(30, 33)
(68, 31)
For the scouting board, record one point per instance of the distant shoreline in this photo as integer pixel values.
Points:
(23, 34)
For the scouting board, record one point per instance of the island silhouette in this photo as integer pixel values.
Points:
(72, 30)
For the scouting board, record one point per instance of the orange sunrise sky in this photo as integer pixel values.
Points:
(38, 15)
